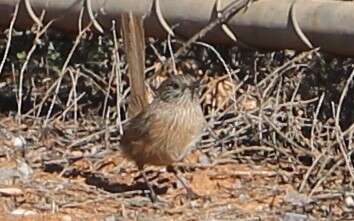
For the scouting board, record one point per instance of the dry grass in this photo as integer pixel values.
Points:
(283, 123)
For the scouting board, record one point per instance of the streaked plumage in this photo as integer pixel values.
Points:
(166, 130)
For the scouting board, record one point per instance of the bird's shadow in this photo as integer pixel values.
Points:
(100, 181)
(116, 187)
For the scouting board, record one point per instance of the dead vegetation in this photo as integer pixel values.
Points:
(283, 124)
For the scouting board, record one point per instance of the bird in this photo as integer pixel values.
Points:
(167, 129)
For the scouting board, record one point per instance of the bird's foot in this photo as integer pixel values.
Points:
(191, 195)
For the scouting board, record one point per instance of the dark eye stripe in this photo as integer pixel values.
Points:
(174, 85)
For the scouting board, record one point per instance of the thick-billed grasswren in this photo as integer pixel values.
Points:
(165, 130)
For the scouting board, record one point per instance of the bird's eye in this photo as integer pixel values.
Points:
(174, 85)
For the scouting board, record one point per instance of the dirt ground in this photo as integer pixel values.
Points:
(283, 122)
(109, 187)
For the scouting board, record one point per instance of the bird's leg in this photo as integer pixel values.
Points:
(190, 193)
(153, 195)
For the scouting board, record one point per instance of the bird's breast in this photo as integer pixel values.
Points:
(179, 130)
(164, 133)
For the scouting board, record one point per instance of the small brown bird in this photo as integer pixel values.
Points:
(166, 130)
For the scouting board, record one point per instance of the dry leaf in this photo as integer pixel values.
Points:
(202, 184)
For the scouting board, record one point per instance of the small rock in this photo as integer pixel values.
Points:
(243, 198)
(297, 199)
(23, 169)
(349, 201)
(19, 142)
(110, 218)
(66, 218)
(238, 184)
(23, 212)
(10, 191)
(77, 153)
(295, 217)
(204, 160)
(7, 175)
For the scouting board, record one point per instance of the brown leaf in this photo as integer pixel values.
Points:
(202, 185)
